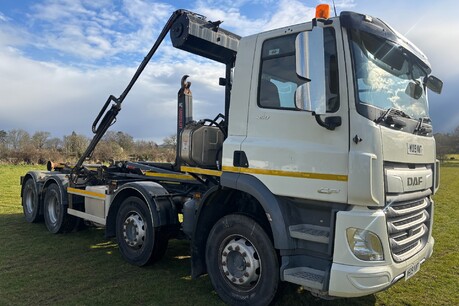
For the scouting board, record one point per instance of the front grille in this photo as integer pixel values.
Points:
(408, 222)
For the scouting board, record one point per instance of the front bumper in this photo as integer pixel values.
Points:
(354, 281)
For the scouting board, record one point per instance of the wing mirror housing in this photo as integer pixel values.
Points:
(310, 65)
(414, 90)
(434, 84)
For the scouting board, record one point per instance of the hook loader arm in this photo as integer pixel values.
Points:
(100, 127)
(190, 32)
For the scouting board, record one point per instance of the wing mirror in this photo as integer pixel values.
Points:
(434, 84)
(414, 90)
(310, 65)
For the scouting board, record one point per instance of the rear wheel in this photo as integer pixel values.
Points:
(139, 242)
(241, 261)
(30, 203)
(55, 212)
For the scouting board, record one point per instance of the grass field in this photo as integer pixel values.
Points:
(451, 160)
(83, 268)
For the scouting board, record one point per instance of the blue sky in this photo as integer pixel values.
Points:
(61, 59)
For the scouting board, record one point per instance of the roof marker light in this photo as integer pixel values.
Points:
(368, 18)
(323, 11)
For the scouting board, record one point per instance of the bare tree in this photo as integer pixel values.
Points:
(3, 137)
(54, 144)
(75, 145)
(3, 143)
(124, 140)
(18, 139)
(39, 139)
(144, 150)
(170, 141)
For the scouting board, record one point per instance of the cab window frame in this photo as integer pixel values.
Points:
(268, 53)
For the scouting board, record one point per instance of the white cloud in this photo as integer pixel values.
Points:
(93, 31)
(60, 99)
(440, 44)
(340, 4)
(277, 14)
(61, 96)
(3, 17)
(282, 13)
(424, 23)
(235, 4)
(11, 36)
(288, 13)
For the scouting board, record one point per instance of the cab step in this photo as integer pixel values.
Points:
(310, 232)
(306, 277)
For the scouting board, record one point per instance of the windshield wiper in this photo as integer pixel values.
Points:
(423, 127)
(392, 117)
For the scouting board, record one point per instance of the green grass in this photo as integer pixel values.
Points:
(451, 160)
(83, 268)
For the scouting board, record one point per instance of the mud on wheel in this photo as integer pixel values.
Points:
(139, 242)
(241, 261)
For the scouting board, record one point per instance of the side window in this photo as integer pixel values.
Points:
(278, 79)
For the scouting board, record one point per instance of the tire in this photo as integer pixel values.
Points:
(30, 202)
(241, 261)
(139, 242)
(55, 212)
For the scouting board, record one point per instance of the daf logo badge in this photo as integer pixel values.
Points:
(414, 181)
(415, 149)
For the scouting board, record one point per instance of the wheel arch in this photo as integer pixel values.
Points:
(43, 179)
(63, 222)
(153, 194)
(61, 181)
(268, 201)
(33, 175)
(214, 205)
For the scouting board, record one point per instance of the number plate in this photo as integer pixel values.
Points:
(412, 270)
(415, 149)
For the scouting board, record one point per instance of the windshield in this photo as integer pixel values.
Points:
(387, 76)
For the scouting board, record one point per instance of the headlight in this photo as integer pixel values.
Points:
(364, 244)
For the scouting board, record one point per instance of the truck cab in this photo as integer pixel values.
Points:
(331, 117)
(320, 172)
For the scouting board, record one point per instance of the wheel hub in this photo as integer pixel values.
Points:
(134, 231)
(240, 262)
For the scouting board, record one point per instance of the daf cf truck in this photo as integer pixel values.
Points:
(320, 172)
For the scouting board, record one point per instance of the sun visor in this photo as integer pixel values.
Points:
(376, 26)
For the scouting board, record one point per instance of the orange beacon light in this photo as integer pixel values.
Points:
(323, 11)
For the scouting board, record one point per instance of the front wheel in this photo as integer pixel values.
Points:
(139, 242)
(241, 261)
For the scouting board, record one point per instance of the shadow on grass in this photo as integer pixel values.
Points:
(291, 294)
(93, 267)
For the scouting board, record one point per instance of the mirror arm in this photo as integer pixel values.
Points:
(330, 123)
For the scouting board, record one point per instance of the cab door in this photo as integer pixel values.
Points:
(286, 148)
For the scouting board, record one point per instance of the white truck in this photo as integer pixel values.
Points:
(320, 172)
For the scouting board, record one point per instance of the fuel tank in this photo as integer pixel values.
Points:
(201, 145)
